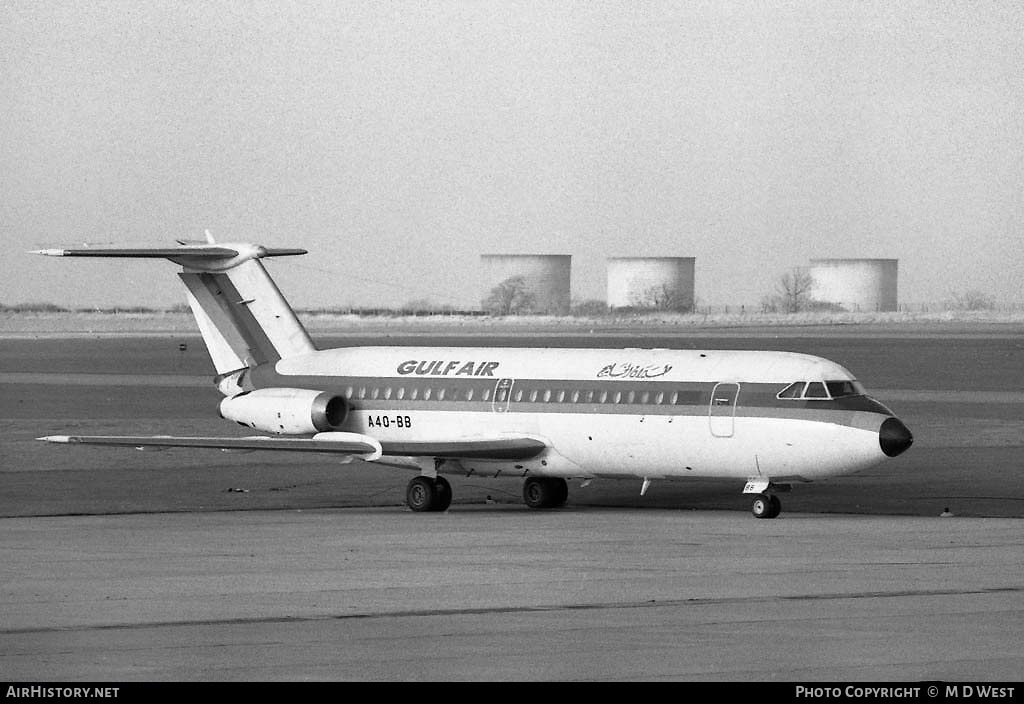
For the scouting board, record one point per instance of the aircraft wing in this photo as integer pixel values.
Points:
(356, 444)
(504, 448)
(363, 446)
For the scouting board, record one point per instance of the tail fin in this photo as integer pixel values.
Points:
(241, 313)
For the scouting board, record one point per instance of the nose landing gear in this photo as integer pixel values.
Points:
(766, 506)
(766, 503)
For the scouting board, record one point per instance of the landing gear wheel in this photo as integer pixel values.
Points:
(540, 492)
(543, 492)
(419, 495)
(561, 491)
(443, 497)
(426, 494)
(766, 506)
(535, 493)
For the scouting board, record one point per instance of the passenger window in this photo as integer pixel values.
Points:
(630, 397)
(469, 394)
(362, 392)
(486, 396)
(427, 392)
(660, 397)
(387, 392)
(815, 389)
(602, 397)
(375, 392)
(674, 399)
(533, 396)
(414, 394)
(590, 396)
(561, 396)
(547, 395)
(519, 395)
(644, 397)
(794, 390)
(401, 393)
(440, 394)
(348, 391)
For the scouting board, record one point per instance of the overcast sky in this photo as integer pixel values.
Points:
(399, 141)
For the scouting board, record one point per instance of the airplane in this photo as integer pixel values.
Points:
(548, 416)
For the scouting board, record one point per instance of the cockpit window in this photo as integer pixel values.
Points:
(815, 389)
(838, 389)
(794, 390)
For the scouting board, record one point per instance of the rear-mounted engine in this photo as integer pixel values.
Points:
(287, 411)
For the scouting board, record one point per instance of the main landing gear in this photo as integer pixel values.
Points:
(545, 492)
(428, 494)
(435, 493)
(766, 506)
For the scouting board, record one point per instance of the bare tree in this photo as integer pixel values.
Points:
(661, 297)
(510, 297)
(972, 300)
(793, 291)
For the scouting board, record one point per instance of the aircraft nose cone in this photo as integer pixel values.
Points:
(894, 437)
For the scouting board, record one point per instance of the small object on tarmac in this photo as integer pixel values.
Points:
(945, 513)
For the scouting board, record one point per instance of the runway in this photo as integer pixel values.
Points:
(187, 565)
(509, 594)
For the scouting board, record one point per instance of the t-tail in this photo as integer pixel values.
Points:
(241, 314)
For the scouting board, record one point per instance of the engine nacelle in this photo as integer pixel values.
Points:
(287, 411)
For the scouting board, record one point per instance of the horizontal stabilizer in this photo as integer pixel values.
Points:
(364, 446)
(200, 251)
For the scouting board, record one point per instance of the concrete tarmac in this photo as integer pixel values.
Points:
(504, 593)
(123, 566)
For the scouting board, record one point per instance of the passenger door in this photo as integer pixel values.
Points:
(502, 395)
(722, 412)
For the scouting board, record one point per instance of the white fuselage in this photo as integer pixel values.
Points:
(603, 413)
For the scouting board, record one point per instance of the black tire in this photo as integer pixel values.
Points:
(421, 494)
(762, 506)
(561, 492)
(443, 494)
(537, 493)
(776, 507)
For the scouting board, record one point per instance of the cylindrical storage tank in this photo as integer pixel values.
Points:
(655, 283)
(526, 283)
(867, 285)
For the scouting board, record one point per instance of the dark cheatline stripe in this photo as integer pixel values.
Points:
(592, 396)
